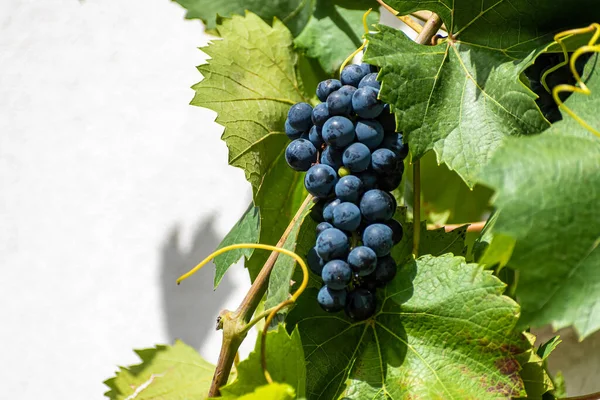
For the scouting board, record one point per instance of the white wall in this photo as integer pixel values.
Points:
(110, 187)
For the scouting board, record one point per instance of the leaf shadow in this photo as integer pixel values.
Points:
(190, 309)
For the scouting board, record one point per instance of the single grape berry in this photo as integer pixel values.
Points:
(394, 142)
(314, 136)
(325, 88)
(340, 101)
(362, 260)
(338, 132)
(387, 120)
(320, 114)
(352, 75)
(384, 161)
(320, 180)
(300, 115)
(360, 304)
(322, 226)
(357, 157)
(369, 132)
(333, 243)
(365, 103)
(368, 68)
(346, 216)
(385, 271)
(336, 274)
(331, 300)
(300, 154)
(292, 133)
(379, 238)
(315, 263)
(369, 179)
(377, 206)
(391, 181)
(370, 80)
(397, 230)
(328, 209)
(332, 157)
(349, 188)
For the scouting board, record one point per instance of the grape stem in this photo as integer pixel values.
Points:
(235, 324)
(430, 29)
(473, 226)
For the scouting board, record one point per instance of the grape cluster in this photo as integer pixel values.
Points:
(354, 157)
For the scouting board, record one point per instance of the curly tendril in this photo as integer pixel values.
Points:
(275, 309)
(591, 47)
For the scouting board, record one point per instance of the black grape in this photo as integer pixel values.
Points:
(385, 270)
(397, 230)
(338, 132)
(352, 75)
(315, 263)
(336, 274)
(365, 103)
(314, 136)
(300, 155)
(292, 133)
(346, 216)
(322, 226)
(370, 80)
(325, 88)
(328, 209)
(331, 300)
(379, 238)
(349, 188)
(332, 157)
(369, 132)
(362, 260)
(340, 101)
(299, 116)
(320, 180)
(360, 304)
(377, 206)
(384, 161)
(357, 157)
(333, 243)
(320, 114)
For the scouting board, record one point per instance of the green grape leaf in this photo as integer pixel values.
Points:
(442, 330)
(548, 191)
(547, 348)
(293, 13)
(273, 391)
(300, 240)
(251, 83)
(339, 22)
(176, 372)
(446, 199)
(285, 363)
(463, 97)
(246, 230)
(533, 372)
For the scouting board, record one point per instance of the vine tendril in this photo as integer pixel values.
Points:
(277, 308)
(591, 47)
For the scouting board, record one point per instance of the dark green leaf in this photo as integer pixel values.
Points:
(548, 195)
(442, 330)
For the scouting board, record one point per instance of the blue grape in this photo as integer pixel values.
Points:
(333, 243)
(370, 80)
(338, 132)
(320, 180)
(332, 157)
(384, 161)
(315, 263)
(314, 136)
(394, 142)
(357, 157)
(336, 274)
(300, 154)
(387, 120)
(349, 188)
(397, 230)
(379, 238)
(385, 270)
(292, 133)
(365, 103)
(362, 260)
(346, 216)
(340, 101)
(391, 181)
(368, 68)
(328, 209)
(325, 88)
(322, 226)
(369, 132)
(300, 115)
(369, 179)
(351, 75)
(360, 304)
(320, 114)
(331, 300)
(377, 206)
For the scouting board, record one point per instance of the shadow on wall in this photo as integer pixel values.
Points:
(192, 307)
